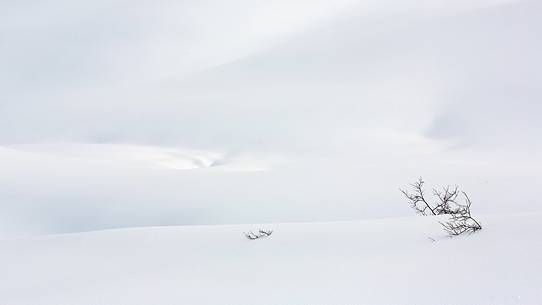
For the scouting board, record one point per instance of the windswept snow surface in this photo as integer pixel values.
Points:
(387, 261)
(123, 154)
(222, 112)
(74, 188)
(122, 114)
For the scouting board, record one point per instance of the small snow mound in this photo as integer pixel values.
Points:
(127, 154)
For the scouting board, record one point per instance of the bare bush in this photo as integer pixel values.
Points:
(261, 233)
(460, 220)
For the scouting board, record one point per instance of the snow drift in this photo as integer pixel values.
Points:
(386, 261)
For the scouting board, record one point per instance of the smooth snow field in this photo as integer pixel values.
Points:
(140, 139)
(385, 261)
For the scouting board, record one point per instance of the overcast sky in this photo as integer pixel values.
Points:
(193, 72)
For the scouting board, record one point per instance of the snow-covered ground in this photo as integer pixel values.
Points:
(51, 189)
(385, 261)
(126, 114)
(169, 124)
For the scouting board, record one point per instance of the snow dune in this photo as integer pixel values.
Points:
(387, 261)
(130, 156)
(125, 154)
(267, 111)
(51, 189)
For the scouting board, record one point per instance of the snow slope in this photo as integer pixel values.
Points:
(359, 96)
(386, 261)
(122, 154)
(72, 188)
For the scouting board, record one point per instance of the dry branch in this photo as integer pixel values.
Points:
(460, 220)
(261, 233)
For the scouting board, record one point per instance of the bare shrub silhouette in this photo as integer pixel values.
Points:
(261, 233)
(460, 219)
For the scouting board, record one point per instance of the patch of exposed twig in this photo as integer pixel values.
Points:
(261, 233)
